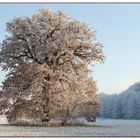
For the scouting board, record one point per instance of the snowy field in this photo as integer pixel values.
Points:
(102, 127)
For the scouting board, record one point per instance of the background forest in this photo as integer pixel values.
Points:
(125, 105)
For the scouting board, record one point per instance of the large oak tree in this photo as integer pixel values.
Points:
(47, 58)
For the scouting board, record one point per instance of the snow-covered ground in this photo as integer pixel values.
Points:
(102, 127)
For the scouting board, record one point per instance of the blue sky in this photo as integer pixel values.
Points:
(118, 29)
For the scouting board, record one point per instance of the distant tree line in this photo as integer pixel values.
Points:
(125, 105)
